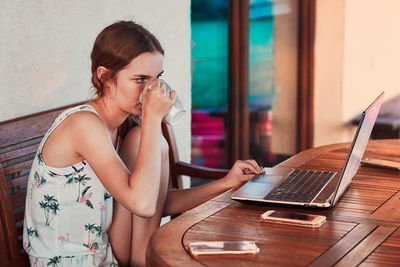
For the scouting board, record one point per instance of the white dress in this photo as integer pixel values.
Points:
(68, 212)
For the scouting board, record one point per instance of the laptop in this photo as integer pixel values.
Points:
(312, 188)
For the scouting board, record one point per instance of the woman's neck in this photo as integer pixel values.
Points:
(111, 114)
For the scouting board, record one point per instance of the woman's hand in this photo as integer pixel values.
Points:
(157, 100)
(242, 171)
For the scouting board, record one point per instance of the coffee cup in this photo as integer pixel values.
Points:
(177, 112)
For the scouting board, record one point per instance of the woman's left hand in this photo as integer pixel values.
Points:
(242, 171)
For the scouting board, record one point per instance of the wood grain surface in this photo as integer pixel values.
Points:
(362, 229)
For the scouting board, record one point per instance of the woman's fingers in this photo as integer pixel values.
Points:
(157, 99)
(250, 166)
(255, 165)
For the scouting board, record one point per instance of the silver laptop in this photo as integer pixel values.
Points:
(312, 187)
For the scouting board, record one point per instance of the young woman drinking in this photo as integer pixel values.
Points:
(98, 186)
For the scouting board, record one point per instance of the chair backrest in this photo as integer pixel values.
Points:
(19, 140)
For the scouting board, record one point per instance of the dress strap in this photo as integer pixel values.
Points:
(65, 114)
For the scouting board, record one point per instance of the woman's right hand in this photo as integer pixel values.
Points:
(156, 100)
(242, 171)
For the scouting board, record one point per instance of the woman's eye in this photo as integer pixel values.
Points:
(140, 80)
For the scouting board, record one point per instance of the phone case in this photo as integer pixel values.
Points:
(223, 247)
(293, 218)
(381, 163)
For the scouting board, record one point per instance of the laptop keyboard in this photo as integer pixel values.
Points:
(300, 186)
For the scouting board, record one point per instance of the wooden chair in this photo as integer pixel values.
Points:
(19, 140)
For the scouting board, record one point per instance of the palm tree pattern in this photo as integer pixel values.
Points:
(50, 206)
(54, 262)
(96, 231)
(32, 232)
(107, 195)
(80, 180)
(84, 194)
(85, 198)
(40, 158)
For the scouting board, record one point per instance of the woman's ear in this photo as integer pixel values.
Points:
(100, 72)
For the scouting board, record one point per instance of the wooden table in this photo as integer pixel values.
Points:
(363, 227)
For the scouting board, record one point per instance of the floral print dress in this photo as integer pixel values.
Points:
(68, 212)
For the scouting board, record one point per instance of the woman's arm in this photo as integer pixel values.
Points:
(137, 191)
(180, 200)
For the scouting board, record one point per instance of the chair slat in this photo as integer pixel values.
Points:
(18, 167)
(22, 180)
(27, 127)
(18, 199)
(19, 152)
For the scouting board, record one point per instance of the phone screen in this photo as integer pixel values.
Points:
(223, 247)
(291, 215)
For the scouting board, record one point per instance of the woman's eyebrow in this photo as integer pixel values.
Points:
(142, 76)
(146, 76)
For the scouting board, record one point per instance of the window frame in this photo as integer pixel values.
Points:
(238, 76)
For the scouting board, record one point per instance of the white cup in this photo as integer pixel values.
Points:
(177, 112)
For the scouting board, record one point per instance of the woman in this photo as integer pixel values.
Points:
(71, 218)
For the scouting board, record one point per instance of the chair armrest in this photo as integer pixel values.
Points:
(183, 168)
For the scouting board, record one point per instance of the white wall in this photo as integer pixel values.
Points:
(46, 45)
(371, 52)
(328, 72)
(356, 57)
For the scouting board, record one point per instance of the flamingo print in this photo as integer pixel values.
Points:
(102, 207)
(92, 250)
(85, 197)
(64, 238)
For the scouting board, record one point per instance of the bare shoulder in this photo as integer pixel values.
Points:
(84, 122)
(84, 117)
(63, 146)
(85, 127)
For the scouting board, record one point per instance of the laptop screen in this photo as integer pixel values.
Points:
(357, 148)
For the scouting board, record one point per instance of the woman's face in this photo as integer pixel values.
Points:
(131, 80)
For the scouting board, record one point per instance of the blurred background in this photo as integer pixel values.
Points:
(264, 79)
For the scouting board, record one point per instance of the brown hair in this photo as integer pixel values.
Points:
(114, 48)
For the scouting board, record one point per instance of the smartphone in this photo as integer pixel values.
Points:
(223, 247)
(293, 218)
(381, 163)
